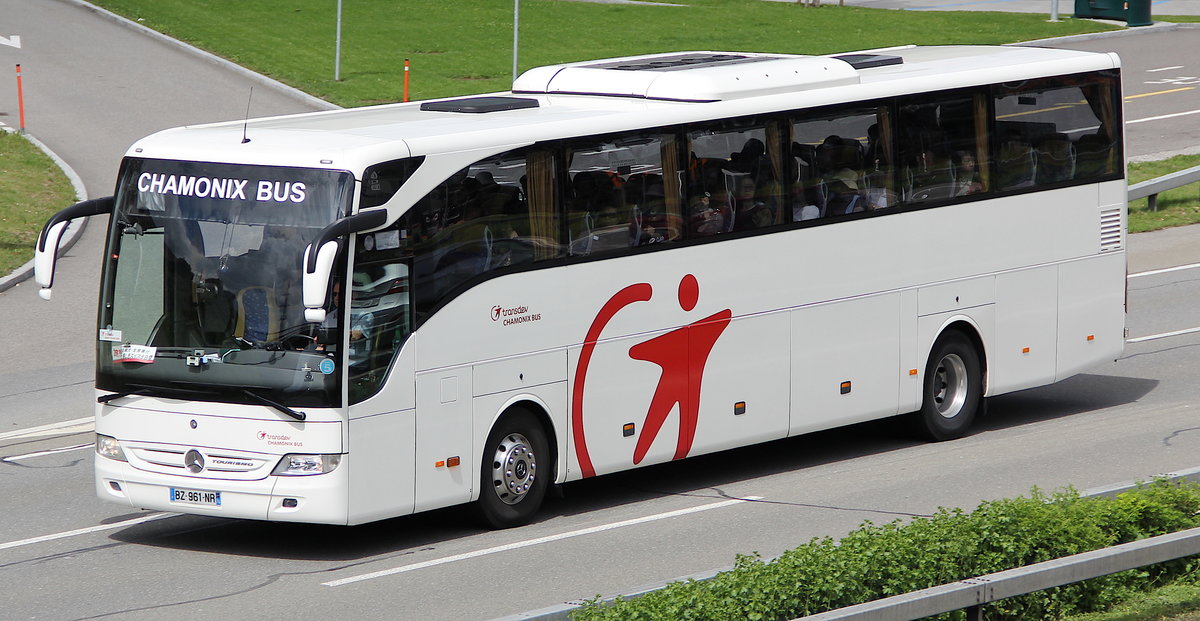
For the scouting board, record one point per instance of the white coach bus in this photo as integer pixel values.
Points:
(345, 316)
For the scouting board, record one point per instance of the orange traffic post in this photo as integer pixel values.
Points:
(20, 99)
(405, 79)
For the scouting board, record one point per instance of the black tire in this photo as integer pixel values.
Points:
(952, 393)
(515, 471)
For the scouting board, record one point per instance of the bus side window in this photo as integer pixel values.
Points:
(622, 193)
(1053, 130)
(734, 177)
(497, 213)
(841, 163)
(943, 146)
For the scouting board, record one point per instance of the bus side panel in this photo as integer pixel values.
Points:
(443, 430)
(381, 477)
(1091, 320)
(745, 395)
(846, 362)
(1025, 351)
(616, 391)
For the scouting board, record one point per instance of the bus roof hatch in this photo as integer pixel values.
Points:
(689, 76)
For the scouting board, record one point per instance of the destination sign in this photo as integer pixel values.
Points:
(264, 190)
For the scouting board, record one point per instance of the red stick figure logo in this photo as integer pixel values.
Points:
(681, 354)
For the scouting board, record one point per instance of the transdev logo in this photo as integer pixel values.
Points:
(275, 439)
(514, 315)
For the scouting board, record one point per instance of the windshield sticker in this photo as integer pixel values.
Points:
(110, 335)
(326, 366)
(215, 187)
(134, 353)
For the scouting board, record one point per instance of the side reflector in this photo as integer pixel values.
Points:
(453, 462)
(627, 429)
(739, 408)
(845, 388)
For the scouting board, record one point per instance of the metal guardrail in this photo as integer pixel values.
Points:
(1152, 188)
(973, 593)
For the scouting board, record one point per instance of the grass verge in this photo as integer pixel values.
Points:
(1177, 602)
(32, 188)
(459, 47)
(1175, 208)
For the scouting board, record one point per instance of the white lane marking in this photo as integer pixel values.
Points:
(538, 541)
(1164, 68)
(85, 531)
(65, 449)
(1162, 336)
(1165, 116)
(1177, 268)
(53, 429)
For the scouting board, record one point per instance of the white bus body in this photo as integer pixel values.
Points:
(507, 331)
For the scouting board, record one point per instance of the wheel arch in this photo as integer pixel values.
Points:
(536, 407)
(969, 328)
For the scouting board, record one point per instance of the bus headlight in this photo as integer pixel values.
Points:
(107, 446)
(302, 465)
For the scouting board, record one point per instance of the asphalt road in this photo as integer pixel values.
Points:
(92, 88)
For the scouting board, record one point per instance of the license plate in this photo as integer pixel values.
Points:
(195, 497)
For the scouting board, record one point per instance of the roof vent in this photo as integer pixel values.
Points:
(868, 61)
(677, 61)
(689, 76)
(479, 105)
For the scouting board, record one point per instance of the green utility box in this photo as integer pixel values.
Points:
(1132, 12)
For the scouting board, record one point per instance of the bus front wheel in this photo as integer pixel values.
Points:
(515, 471)
(953, 389)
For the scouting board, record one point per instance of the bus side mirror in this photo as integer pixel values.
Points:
(45, 254)
(315, 282)
(319, 257)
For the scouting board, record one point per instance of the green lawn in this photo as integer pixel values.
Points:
(32, 189)
(465, 46)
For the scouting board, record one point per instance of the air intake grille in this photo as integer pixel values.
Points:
(1111, 230)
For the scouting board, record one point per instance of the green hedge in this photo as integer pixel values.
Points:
(877, 561)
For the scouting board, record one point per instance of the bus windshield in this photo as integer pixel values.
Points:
(201, 294)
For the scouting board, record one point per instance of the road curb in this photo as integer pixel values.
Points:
(74, 228)
(227, 65)
(562, 612)
(1128, 32)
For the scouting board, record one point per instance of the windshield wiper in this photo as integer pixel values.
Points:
(118, 395)
(143, 389)
(152, 391)
(278, 406)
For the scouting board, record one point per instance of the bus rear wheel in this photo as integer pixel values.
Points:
(952, 391)
(515, 471)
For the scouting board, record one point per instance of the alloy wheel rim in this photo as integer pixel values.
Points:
(950, 385)
(514, 468)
